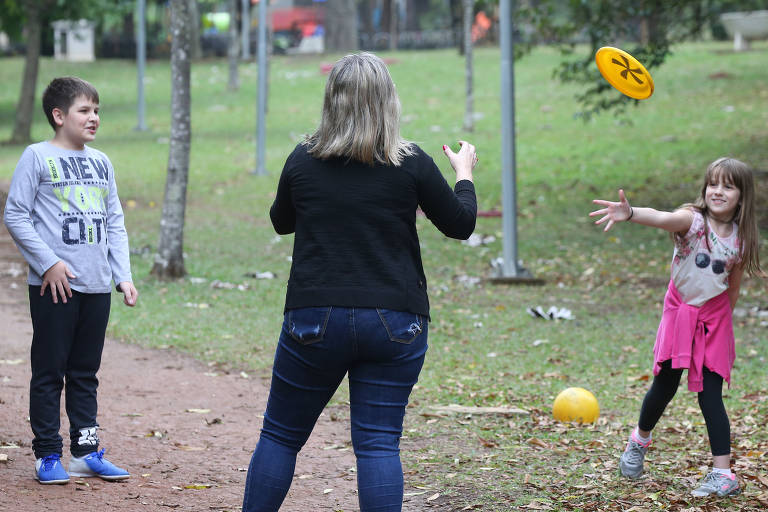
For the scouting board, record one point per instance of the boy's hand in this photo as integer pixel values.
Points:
(56, 278)
(129, 293)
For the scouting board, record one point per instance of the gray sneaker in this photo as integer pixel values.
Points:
(631, 462)
(719, 484)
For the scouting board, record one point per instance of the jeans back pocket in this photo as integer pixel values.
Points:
(401, 326)
(307, 325)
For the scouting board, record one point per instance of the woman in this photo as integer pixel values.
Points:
(357, 296)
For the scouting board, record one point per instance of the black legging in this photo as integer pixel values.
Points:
(710, 401)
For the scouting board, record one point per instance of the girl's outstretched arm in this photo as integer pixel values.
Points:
(678, 221)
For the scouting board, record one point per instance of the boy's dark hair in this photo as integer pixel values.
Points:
(62, 92)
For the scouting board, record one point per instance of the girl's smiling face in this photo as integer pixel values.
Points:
(722, 198)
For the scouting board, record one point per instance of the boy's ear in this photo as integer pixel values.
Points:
(58, 116)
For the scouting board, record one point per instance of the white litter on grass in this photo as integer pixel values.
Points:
(468, 281)
(553, 313)
(14, 271)
(201, 305)
(228, 286)
(476, 240)
(261, 275)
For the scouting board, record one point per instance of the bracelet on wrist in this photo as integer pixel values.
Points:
(631, 213)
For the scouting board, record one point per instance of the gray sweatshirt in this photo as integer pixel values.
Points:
(63, 206)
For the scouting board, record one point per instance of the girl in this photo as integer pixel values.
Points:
(715, 243)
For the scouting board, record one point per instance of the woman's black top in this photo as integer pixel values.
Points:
(356, 243)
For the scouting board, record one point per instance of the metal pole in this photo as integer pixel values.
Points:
(245, 28)
(261, 102)
(141, 59)
(509, 268)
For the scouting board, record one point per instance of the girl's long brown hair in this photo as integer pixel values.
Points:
(739, 175)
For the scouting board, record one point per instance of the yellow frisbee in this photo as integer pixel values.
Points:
(624, 72)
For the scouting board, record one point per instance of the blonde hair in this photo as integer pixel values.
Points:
(361, 114)
(738, 174)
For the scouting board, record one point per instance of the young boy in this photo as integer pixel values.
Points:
(65, 217)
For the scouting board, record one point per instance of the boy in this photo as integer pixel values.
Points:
(65, 217)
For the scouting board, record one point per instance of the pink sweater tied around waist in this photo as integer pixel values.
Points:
(696, 337)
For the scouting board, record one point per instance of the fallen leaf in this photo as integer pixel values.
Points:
(434, 497)
(187, 448)
(535, 441)
(537, 505)
(198, 486)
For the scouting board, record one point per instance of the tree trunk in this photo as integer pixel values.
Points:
(341, 25)
(469, 112)
(234, 47)
(194, 30)
(22, 125)
(393, 17)
(366, 18)
(169, 260)
(456, 24)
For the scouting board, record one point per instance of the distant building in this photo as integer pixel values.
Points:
(73, 40)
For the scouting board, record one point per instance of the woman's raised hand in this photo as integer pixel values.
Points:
(462, 162)
(613, 212)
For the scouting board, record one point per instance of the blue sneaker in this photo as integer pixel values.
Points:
(48, 470)
(94, 464)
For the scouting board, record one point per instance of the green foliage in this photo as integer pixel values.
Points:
(11, 18)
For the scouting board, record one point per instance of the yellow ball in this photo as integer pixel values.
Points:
(576, 404)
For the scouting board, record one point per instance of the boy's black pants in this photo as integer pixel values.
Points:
(67, 342)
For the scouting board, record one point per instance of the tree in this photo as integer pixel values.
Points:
(233, 50)
(35, 16)
(22, 125)
(341, 25)
(194, 28)
(649, 28)
(393, 18)
(169, 260)
(469, 111)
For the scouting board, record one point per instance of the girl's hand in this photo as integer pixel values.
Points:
(613, 212)
(129, 293)
(462, 162)
(56, 278)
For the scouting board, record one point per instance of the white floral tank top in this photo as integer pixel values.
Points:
(700, 270)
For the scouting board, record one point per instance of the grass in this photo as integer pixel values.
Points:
(485, 349)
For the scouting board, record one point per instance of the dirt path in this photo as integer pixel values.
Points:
(144, 399)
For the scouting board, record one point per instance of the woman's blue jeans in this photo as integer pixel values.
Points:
(383, 352)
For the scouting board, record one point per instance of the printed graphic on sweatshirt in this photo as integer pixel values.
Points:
(81, 185)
